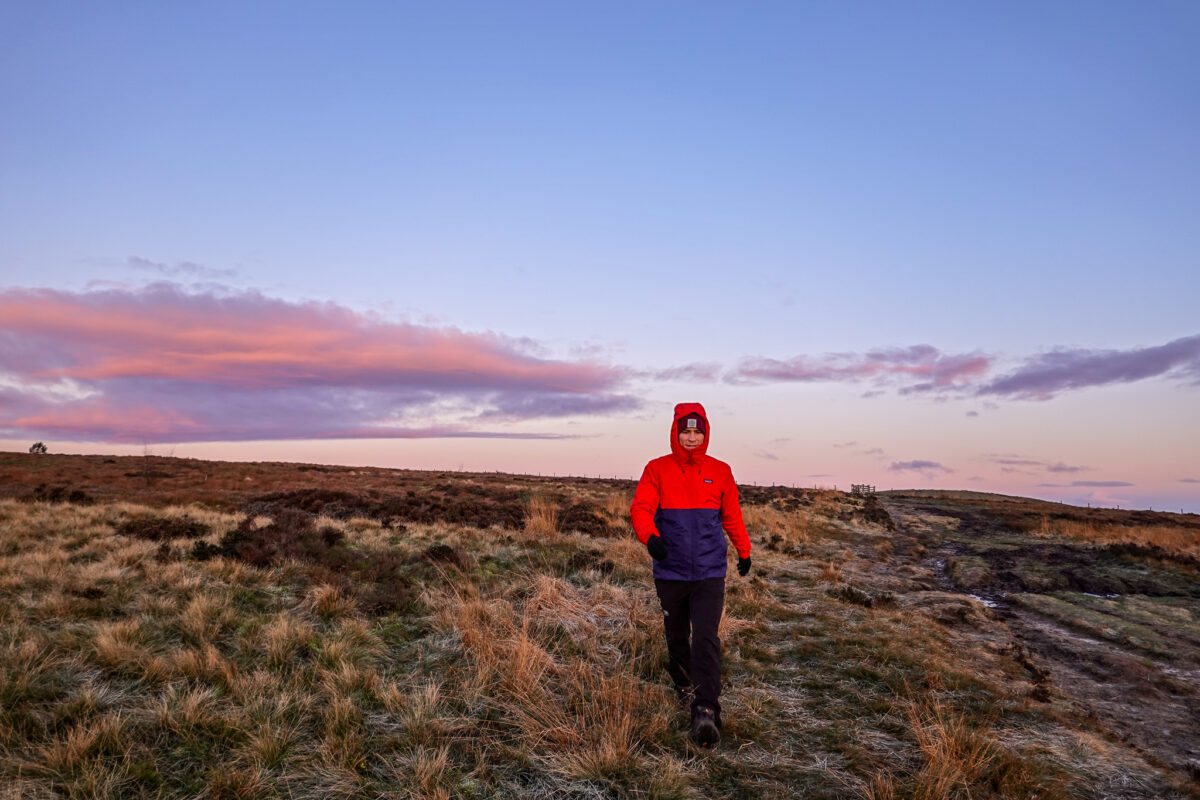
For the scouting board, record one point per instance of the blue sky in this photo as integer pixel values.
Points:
(636, 188)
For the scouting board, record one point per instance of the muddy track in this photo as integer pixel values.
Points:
(1111, 633)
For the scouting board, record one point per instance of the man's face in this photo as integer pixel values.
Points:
(690, 439)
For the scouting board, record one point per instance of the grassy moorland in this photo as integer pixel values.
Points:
(176, 628)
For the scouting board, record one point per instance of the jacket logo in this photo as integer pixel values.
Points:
(708, 480)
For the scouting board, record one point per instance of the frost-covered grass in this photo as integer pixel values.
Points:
(522, 662)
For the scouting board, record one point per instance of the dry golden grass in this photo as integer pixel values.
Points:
(532, 668)
(283, 638)
(329, 602)
(541, 517)
(763, 521)
(832, 572)
(957, 753)
(616, 504)
(1170, 538)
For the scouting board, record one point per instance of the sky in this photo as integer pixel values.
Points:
(923, 245)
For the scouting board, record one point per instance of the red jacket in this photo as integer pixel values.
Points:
(691, 500)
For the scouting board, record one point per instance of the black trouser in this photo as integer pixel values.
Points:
(691, 614)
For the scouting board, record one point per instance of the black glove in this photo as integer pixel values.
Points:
(657, 547)
(744, 566)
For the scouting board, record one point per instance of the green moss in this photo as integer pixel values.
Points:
(1100, 624)
(969, 571)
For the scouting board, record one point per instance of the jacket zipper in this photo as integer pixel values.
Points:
(694, 500)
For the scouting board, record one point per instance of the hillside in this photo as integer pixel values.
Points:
(180, 628)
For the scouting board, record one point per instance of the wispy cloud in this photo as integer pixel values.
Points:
(925, 369)
(1189, 480)
(918, 368)
(700, 373)
(766, 455)
(1102, 497)
(1012, 463)
(927, 467)
(1086, 484)
(513, 406)
(1060, 467)
(847, 444)
(162, 364)
(1043, 376)
(181, 269)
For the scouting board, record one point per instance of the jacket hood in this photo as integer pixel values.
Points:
(682, 410)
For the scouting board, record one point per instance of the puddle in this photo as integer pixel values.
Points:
(986, 601)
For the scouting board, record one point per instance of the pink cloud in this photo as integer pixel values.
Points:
(105, 421)
(252, 341)
(161, 364)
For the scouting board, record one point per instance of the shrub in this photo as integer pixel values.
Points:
(444, 503)
(446, 554)
(851, 594)
(162, 528)
(588, 520)
(377, 581)
(46, 493)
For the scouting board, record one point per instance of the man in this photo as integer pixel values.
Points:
(684, 506)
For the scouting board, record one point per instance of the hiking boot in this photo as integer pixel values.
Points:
(704, 726)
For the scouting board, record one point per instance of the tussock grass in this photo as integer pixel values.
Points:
(524, 663)
(1171, 539)
(616, 504)
(541, 516)
(956, 752)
